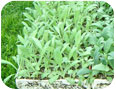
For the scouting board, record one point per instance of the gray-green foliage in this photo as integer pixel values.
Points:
(63, 39)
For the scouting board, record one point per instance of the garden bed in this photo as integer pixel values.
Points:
(59, 84)
(65, 40)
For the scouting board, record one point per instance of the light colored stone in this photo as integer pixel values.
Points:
(58, 84)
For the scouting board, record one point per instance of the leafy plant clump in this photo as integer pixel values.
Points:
(67, 40)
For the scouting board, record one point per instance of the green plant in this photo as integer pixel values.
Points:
(8, 63)
(11, 18)
(66, 40)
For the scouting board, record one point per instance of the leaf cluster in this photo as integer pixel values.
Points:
(66, 40)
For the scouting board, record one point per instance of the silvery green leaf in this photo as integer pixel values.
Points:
(43, 52)
(35, 74)
(45, 74)
(67, 27)
(78, 39)
(87, 52)
(92, 39)
(72, 64)
(57, 30)
(70, 72)
(26, 25)
(83, 71)
(23, 73)
(96, 56)
(71, 52)
(64, 47)
(111, 54)
(107, 45)
(37, 7)
(58, 56)
(45, 36)
(108, 31)
(100, 67)
(28, 16)
(98, 24)
(53, 41)
(53, 79)
(37, 67)
(33, 34)
(111, 59)
(66, 60)
(91, 7)
(29, 65)
(23, 51)
(21, 39)
(37, 42)
(65, 37)
(72, 35)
